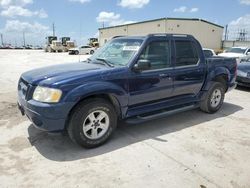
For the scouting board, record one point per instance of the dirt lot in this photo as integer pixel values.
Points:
(191, 149)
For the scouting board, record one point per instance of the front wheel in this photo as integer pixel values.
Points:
(92, 123)
(214, 98)
(91, 52)
(76, 52)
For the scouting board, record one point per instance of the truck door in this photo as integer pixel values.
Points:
(189, 67)
(155, 83)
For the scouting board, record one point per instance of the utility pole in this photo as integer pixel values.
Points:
(24, 40)
(2, 39)
(226, 32)
(102, 24)
(53, 27)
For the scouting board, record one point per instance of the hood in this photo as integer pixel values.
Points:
(229, 54)
(244, 66)
(58, 74)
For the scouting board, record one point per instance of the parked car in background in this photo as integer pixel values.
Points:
(236, 52)
(82, 50)
(208, 52)
(135, 79)
(243, 73)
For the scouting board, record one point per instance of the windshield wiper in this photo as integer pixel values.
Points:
(105, 61)
(87, 60)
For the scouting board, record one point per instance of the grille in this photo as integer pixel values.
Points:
(23, 87)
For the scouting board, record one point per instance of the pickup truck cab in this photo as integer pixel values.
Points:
(135, 79)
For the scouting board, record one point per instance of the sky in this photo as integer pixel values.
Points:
(80, 19)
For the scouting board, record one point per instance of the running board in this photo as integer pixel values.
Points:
(162, 114)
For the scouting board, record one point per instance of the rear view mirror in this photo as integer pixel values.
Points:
(142, 64)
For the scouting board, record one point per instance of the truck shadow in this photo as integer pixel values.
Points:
(58, 147)
(247, 89)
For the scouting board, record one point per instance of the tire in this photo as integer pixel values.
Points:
(91, 52)
(214, 98)
(87, 128)
(76, 52)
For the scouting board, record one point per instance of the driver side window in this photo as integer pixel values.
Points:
(158, 54)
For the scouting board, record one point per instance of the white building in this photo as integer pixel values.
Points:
(208, 34)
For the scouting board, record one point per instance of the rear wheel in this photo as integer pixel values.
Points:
(92, 123)
(92, 51)
(214, 98)
(76, 52)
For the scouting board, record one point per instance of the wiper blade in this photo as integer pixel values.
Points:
(87, 60)
(105, 61)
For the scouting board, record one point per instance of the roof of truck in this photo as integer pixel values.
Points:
(155, 35)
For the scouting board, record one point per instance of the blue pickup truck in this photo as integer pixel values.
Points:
(135, 79)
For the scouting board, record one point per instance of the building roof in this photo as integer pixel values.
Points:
(188, 19)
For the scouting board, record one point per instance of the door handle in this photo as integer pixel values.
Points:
(163, 75)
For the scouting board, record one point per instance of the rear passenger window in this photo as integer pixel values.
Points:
(186, 53)
(158, 54)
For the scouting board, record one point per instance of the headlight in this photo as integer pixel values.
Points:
(238, 60)
(241, 73)
(45, 94)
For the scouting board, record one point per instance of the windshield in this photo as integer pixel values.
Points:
(236, 50)
(118, 51)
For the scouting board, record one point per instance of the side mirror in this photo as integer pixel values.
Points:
(248, 53)
(142, 64)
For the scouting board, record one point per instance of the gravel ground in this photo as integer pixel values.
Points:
(190, 149)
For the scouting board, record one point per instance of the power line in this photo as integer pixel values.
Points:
(242, 34)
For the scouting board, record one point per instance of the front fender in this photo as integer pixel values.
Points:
(95, 88)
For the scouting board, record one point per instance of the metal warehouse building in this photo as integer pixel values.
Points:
(208, 34)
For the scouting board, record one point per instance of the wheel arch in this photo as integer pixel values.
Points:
(223, 79)
(108, 97)
(220, 74)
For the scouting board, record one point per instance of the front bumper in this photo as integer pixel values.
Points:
(243, 81)
(71, 52)
(44, 116)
